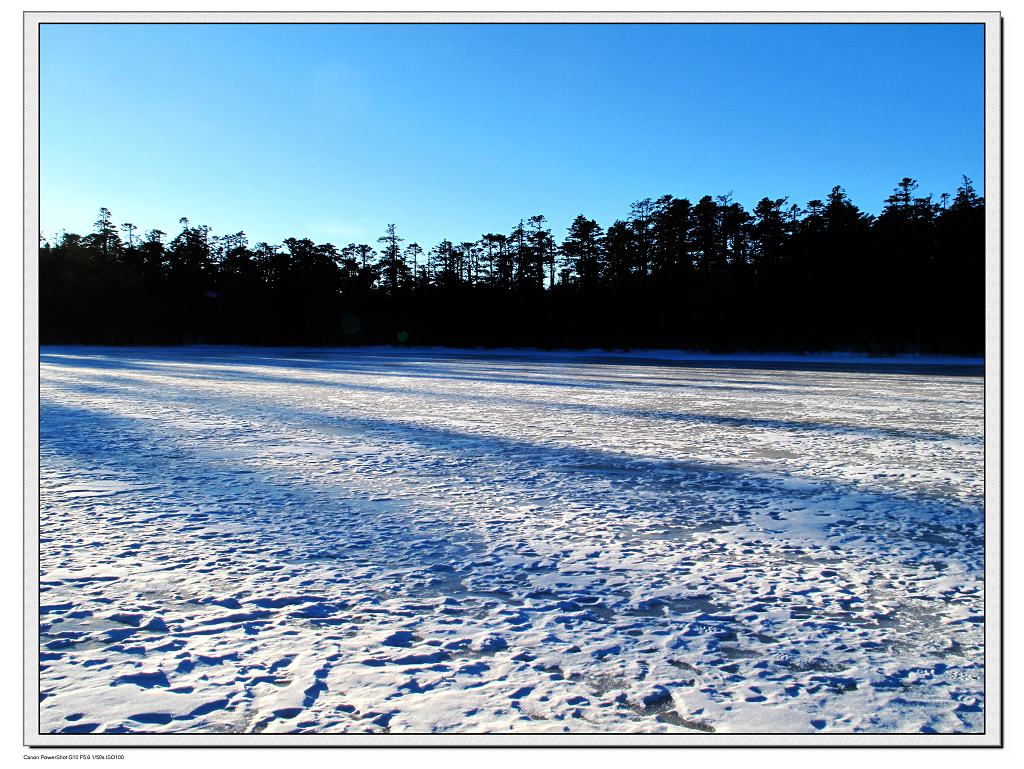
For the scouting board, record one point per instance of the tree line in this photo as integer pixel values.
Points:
(671, 274)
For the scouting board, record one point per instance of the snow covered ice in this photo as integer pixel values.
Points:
(253, 540)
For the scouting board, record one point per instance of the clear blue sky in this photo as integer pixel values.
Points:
(332, 131)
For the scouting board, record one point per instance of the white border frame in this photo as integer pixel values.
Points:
(992, 737)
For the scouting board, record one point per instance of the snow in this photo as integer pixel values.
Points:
(239, 540)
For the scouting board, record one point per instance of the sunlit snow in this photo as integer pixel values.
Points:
(239, 540)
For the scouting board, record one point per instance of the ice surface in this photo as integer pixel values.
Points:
(238, 540)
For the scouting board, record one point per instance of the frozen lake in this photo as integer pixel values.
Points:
(238, 540)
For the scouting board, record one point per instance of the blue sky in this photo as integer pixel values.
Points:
(333, 131)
